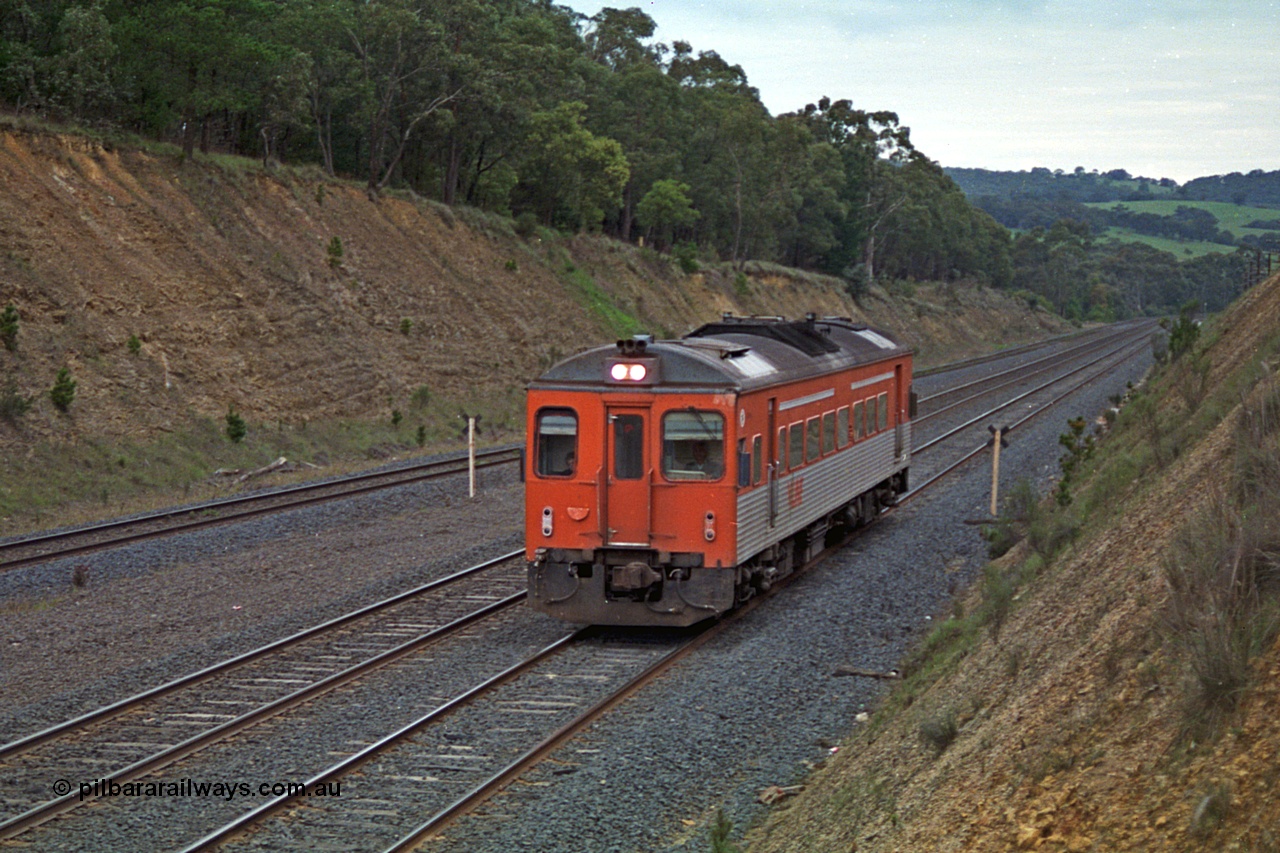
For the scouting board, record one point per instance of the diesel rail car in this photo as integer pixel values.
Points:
(669, 481)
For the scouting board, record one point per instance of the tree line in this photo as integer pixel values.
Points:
(516, 106)
(532, 111)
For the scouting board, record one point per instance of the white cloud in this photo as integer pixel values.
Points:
(1170, 89)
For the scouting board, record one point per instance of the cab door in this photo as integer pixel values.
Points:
(628, 476)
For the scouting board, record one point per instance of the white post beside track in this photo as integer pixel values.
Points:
(995, 469)
(471, 457)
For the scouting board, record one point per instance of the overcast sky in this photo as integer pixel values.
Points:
(1176, 88)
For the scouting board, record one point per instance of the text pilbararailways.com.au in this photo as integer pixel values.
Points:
(224, 790)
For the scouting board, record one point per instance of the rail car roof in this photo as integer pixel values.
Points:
(742, 353)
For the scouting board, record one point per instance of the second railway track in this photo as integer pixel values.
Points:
(54, 545)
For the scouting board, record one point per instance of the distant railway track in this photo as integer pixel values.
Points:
(995, 381)
(418, 747)
(54, 545)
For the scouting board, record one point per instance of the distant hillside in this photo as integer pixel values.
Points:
(1258, 188)
(1214, 214)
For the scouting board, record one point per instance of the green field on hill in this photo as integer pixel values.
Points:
(1231, 217)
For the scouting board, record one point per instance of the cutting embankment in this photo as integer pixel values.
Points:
(1111, 683)
(176, 294)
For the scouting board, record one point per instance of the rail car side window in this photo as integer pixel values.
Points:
(813, 439)
(796, 449)
(693, 445)
(757, 459)
(842, 426)
(872, 418)
(828, 432)
(557, 443)
(859, 424)
(781, 449)
(744, 464)
(884, 411)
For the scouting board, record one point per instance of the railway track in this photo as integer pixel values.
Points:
(53, 545)
(983, 386)
(441, 765)
(151, 730)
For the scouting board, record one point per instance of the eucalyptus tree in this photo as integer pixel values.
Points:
(400, 51)
(568, 175)
(665, 208)
(190, 61)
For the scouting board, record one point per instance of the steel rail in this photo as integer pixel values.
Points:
(999, 354)
(298, 496)
(948, 434)
(222, 668)
(1131, 350)
(1048, 361)
(370, 752)
(50, 809)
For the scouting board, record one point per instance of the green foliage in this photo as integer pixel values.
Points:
(526, 224)
(13, 405)
(719, 835)
(940, 730)
(63, 391)
(1185, 332)
(420, 398)
(665, 208)
(406, 326)
(1079, 448)
(134, 345)
(396, 417)
(1020, 511)
(334, 252)
(571, 175)
(686, 255)
(596, 300)
(236, 429)
(485, 104)
(421, 436)
(9, 328)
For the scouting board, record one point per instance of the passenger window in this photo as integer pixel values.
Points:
(556, 443)
(871, 415)
(884, 411)
(781, 449)
(796, 448)
(828, 432)
(693, 445)
(813, 439)
(757, 459)
(858, 422)
(842, 426)
(744, 464)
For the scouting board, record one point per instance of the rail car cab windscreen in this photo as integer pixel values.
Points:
(693, 445)
(557, 443)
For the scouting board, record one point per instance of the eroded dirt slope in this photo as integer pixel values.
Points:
(1072, 725)
(224, 275)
